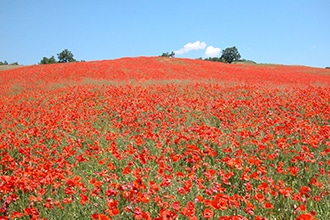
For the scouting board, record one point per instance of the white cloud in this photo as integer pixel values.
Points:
(197, 45)
(212, 51)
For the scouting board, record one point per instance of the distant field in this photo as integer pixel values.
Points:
(160, 138)
(8, 67)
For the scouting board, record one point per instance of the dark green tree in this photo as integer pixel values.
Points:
(215, 59)
(167, 54)
(46, 60)
(230, 54)
(65, 56)
(3, 63)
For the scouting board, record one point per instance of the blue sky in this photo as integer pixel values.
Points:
(282, 31)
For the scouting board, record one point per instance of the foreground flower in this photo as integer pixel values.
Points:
(306, 216)
(207, 213)
(100, 217)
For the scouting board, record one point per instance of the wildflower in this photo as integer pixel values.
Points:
(207, 213)
(100, 217)
(306, 216)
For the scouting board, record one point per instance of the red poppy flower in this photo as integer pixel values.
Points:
(304, 190)
(259, 197)
(31, 211)
(167, 215)
(176, 205)
(268, 205)
(306, 216)
(100, 217)
(207, 213)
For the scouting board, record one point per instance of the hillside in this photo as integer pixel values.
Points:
(159, 138)
(144, 69)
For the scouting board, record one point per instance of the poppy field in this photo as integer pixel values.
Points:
(160, 138)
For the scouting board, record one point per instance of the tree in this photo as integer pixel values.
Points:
(230, 54)
(52, 60)
(3, 63)
(46, 60)
(167, 54)
(65, 56)
(215, 59)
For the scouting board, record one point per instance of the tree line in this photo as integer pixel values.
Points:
(228, 55)
(6, 63)
(65, 56)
